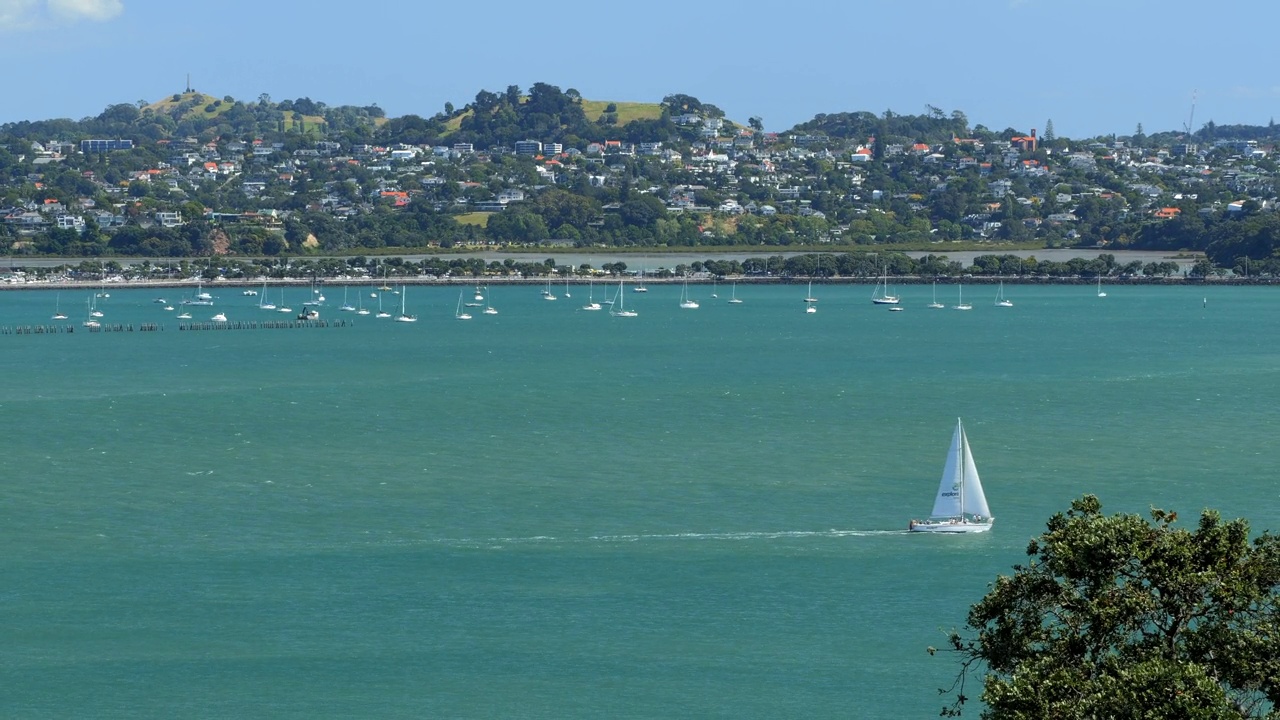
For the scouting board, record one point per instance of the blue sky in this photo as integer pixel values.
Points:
(1092, 67)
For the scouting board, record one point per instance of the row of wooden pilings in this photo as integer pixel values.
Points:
(155, 327)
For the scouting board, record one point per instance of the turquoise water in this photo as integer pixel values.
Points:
(555, 513)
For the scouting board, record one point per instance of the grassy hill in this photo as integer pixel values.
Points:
(200, 105)
(593, 109)
(183, 106)
(627, 111)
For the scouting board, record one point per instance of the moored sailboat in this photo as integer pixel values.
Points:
(591, 302)
(686, 302)
(459, 314)
(881, 296)
(619, 306)
(406, 317)
(263, 303)
(1000, 299)
(935, 304)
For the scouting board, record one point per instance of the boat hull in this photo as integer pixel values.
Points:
(950, 527)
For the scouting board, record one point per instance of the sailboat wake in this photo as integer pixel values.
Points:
(768, 535)
(667, 537)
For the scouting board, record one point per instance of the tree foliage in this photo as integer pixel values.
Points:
(934, 127)
(1121, 617)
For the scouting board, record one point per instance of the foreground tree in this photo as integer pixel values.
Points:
(1121, 617)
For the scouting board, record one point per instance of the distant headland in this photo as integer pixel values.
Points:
(545, 171)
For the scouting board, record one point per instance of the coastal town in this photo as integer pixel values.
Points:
(196, 176)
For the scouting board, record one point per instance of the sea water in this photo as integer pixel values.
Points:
(552, 513)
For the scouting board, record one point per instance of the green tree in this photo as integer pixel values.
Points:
(642, 210)
(1121, 617)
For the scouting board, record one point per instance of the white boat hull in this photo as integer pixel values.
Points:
(950, 527)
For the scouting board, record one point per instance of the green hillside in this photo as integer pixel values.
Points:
(627, 111)
(181, 106)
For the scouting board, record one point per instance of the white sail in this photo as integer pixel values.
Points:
(974, 501)
(949, 502)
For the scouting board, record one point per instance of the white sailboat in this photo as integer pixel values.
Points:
(219, 317)
(91, 321)
(733, 297)
(714, 294)
(591, 292)
(619, 306)
(57, 308)
(283, 308)
(346, 306)
(640, 280)
(458, 313)
(360, 308)
(566, 287)
(489, 309)
(479, 295)
(962, 305)
(881, 296)
(382, 313)
(961, 506)
(263, 303)
(686, 302)
(1100, 293)
(200, 298)
(935, 304)
(546, 293)
(1000, 299)
(406, 317)
(317, 298)
(811, 302)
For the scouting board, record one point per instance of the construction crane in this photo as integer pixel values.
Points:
(1191, 118)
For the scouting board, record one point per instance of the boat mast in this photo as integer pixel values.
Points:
(960, 461)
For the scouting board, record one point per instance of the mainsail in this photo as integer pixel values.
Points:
(960, 491)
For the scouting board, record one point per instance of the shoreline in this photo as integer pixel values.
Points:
(253, 283)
